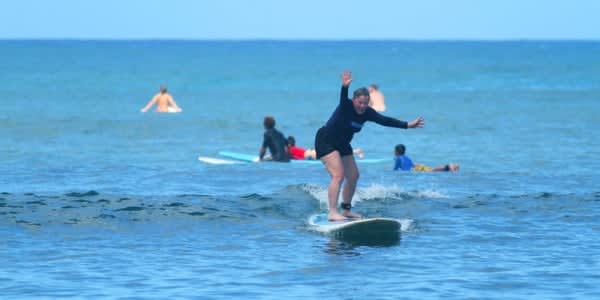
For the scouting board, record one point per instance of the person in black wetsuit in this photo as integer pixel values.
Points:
(275, 141)
(332, 143)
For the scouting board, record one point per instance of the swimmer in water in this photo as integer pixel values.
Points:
(164, 102)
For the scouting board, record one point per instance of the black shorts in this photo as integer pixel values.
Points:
(324, 144)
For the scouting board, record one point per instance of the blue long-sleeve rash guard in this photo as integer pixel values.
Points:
(344, 121)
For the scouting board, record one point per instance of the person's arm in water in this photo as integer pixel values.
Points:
(150, 104)
(263, 148)
(174, 104)
(397, 164)
(261, 153)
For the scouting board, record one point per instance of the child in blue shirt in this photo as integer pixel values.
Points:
(402, 162)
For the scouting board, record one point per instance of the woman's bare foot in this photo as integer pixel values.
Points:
(350, 214)
(335, 216)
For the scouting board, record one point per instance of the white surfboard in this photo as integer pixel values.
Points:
(365, 229)
(239, 156)
(171, 109)
(217, 161)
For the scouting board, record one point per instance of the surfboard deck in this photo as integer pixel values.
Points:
(217, 161)
(254, 158)
(365, 229)
(239, 156)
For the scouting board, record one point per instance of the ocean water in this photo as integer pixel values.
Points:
(98, 200)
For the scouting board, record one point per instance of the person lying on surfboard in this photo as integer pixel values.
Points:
(332, 144)
(164, 102)
(402, 162)
(300, 153)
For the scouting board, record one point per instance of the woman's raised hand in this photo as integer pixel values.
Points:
(346, 78)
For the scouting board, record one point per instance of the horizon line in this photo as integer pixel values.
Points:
(306, 39)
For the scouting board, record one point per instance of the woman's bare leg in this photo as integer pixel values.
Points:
(351, 175)
(335, 167)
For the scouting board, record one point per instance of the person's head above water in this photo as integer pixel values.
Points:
(373, 87)
(269, 122)
(163, 89)
(400, 149)
(360, 100)
(291, 141)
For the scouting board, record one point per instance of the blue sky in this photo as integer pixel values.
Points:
(305, 19)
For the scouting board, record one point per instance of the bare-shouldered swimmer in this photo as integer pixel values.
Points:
(164, 102)
(377, 100)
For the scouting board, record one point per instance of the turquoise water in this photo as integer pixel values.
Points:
(100, 200)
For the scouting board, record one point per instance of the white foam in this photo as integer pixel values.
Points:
(429, 194)
(406, 224)
(377, 191)
(374, 191)
(318, 193)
